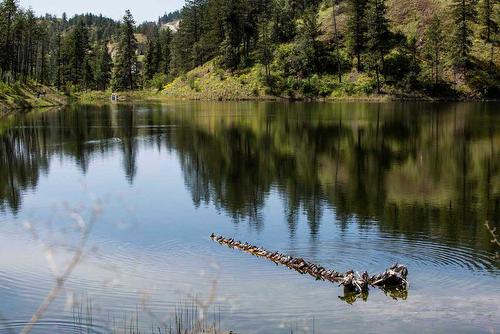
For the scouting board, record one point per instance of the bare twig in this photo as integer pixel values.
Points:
(495, 240)
(60, 280)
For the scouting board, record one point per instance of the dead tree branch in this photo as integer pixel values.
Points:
(394, 277)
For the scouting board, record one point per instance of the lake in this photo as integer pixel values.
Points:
(348, 186)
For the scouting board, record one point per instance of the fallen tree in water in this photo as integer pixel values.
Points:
(392, 278)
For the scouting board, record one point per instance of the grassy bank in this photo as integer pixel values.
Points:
(99, 97)
(27, 96)
(209, 82)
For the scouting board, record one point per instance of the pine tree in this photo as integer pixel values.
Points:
(488, 22)
(44, 46)
(151, 63)
(126, 69)
(284, 26)
(76, 47)
(29, 45)
(489, 25)
(265, 48)
(59, 61)
(464, 14)
(308, 42)
(186, 49)
(164, 57)
(88, 79)
(8, 11)
(433, 46)
(104, 66)
(230, 51)
(336, 38)
(192, 21)
(356, 28)
(378, 36)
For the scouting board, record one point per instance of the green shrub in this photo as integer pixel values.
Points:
(486, 85)
(193, 84)
(365, 85)
(401, 71)
(326, 85)
(158, 82)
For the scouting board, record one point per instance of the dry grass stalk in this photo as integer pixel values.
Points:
(495, 238)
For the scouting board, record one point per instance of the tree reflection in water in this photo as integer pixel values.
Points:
(415, 168)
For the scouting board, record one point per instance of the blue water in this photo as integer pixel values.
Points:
(347, 186)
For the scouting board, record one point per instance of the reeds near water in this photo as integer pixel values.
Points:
(185, 319)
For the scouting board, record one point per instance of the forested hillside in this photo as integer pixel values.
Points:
(338, 48)
(230, 49)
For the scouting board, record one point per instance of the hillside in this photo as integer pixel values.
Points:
(30, 95)
(410, 19)
(209, 82)
(211, 49)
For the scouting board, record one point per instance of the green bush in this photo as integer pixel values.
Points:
(401, 71)
(326, 86)
(485, 84)
(158, 82)
(193, 84)
(365, 85)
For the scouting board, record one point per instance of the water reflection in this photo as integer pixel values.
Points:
(414, 169)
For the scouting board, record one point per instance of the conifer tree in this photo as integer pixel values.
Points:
(75, 51)
(8, 11)
(308, 41)
(336, 38)
(230, 49)
(433, 46)
(126, 69)
(356, 28)
(265, 48)
(59, 61)
(164, 57)
(284, 26)
(104, 66)
(487, 18)
(378, 36)
(464, 14)
(88, 74)
(150, 60)
(489, 24)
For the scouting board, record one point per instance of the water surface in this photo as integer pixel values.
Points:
(348, 186)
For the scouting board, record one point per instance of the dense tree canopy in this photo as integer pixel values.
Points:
(305, 47)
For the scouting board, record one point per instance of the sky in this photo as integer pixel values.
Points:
(143, 10)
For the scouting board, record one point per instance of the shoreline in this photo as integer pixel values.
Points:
(58, 99)
(146, 95)
(19, 98)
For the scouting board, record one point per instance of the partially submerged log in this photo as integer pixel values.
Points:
(392, 278)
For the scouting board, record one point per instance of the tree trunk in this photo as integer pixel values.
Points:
(491, 57)
(336, 39)
(378, 79)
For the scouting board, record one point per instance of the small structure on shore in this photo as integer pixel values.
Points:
(114, 97)
(392, 278)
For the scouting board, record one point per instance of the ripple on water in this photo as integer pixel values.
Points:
(374, 250)
(171, 267)
(61, 325)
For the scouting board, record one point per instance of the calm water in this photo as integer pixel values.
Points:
(348, 186)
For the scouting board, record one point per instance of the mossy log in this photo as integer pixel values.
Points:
(394, 277)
